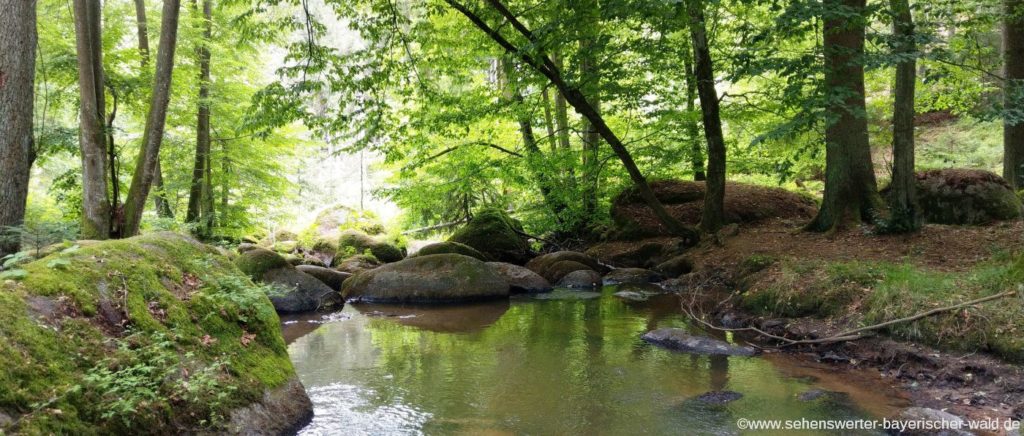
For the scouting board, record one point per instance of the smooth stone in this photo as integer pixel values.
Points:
(581, 279)
(520, 279)
(679, 340)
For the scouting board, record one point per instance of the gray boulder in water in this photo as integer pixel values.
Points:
(435, 278)
(520, 279)
(680, 340)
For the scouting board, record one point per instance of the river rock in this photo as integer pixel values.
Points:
(675, 266)
(330, 277)
(451, 247)
(631, 275)
(436, 278)
(560, 269)
(583, 278)
(926, 414)
(496, 235)
(679, 340)
(293, 291)
(520, 279)
(632, 296)
(540, 264)
(719, 397)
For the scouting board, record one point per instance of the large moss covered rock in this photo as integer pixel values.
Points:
(154, 334)
(448, 247)
(543, 264)
(330, 277)
(684, 200)
(357, 264)
(352, 242)
(964, 196)
(437, 278)
(257, 261)
(496, 235)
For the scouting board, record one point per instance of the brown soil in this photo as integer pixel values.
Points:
(940, 247)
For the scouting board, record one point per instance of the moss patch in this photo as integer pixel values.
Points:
(156, 334)
(495, 234)
(884, 291)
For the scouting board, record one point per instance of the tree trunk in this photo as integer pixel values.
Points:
(197, 205)
(904, 216)
(851, 193)
(17, 79)
(152, 136)
(714, 194)
(163, 207)
(590, 76)
(561, 113)
(512, 94)
(692, 128)
(1013, 92)
(543, 65)
(96, 216)
(549, 122)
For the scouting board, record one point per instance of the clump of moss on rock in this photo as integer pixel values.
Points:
(358, 242)
(154, 334)
(965, 196)
(496, 235)
(437, 278)
(451, 247)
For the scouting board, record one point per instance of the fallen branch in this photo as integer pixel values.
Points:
(854, 334)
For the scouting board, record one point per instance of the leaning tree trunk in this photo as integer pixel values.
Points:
(561, 113)
(96, 217)
(1013, 92)
(163, 207)
(543, 65)
(714, 194)
(17, 78)
(904, 216)
(197, 205)
(152, 136)
(851, 193)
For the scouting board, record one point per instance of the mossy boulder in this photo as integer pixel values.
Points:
(357, 264)
(964, 196)
(496, 235)
(354, 242)
(257, 261)
(437, 278)
(675, 266)
(331, 221)
(520, 279)
(684, 200)
(330, 277)
(542, 263)
(155, 334)
(285, 246)
(451, 247)
(278, 236)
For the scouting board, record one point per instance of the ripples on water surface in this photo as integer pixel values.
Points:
(543, 367)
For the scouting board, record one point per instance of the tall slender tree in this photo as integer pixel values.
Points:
(590, 77)
(1013, 92)
(904, 215)
(713, 213)
(851, 192)
(96, 216)
(163, 207)
(17, 78)
(199, 213)
(692, 127)
(152, 136)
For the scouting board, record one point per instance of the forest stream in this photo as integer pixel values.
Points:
(569, 362)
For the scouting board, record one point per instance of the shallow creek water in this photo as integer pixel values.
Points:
(546, 366)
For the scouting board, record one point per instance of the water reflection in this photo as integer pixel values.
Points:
(533, 366)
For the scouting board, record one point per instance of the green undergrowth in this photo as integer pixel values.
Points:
(153, 334)
(880, 291)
